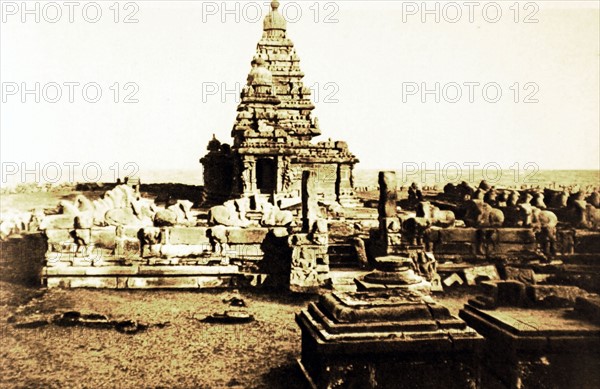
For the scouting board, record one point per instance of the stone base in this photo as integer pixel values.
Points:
(362, 285)
(392, 339)
(537, 348)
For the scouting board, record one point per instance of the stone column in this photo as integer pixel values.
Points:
(310, 206)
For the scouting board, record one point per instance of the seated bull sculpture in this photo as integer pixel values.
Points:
(480, 214)
(594, 199)
(535, 217)
(435, 216)
(177, 214)
(274, 217)
(584, 215)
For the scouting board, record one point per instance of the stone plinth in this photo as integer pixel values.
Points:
(537, 348)
(393, 272)
(398, 339)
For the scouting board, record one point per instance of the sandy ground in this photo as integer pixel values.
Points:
(185, 353)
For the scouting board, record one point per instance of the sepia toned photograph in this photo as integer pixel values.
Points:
(305, 194)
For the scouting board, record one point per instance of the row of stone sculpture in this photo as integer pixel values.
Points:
(487, 206)
(119, 206)
(233, 213)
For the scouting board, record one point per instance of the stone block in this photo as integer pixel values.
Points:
(458, 235)
(516, 235)
(59, 222)
(526, 276)
(461, 248)
(505, 248)
(511, 294)
(555, 295)
(246, 235)
(130, 232)
(190, 235)
(127, 248)
(59, 236)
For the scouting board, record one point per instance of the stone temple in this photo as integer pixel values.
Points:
(273, 132)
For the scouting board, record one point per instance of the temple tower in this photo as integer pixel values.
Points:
(273, 131)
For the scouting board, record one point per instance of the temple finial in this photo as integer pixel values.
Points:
(274, 21)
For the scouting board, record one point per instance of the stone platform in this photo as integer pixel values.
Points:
(399, 339)
(537, 348)
(181, 258)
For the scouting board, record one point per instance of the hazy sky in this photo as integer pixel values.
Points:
(364, 64)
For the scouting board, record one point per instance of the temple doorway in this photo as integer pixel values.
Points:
(266, 175)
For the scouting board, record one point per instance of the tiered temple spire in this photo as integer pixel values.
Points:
(274, 127)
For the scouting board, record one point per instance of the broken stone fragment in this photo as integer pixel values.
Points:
(453, 279)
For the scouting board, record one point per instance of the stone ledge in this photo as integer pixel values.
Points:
(140, 270)
(206, 281)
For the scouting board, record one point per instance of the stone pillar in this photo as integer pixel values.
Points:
(309, 249)
(387, 195)
(388, 239)
(310, 205)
